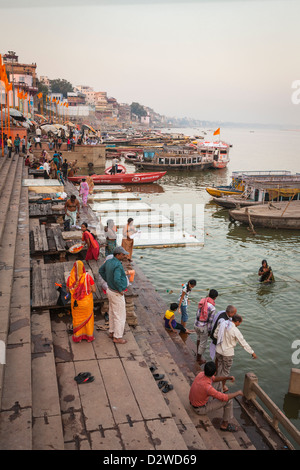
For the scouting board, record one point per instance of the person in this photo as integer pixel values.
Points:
(81, 286)
(183, 300)
(23, 142)
(265, 272)
(9, 146)
(170, 321)
(222, 315)
(84, 191)
(46, 167)
(89, 239)
(90, 183)
(17, 144)
(113, 273)
(64, 169)
(53, 170)
(51, 143)
(127, 240)
(37, 141)
(228, 335)
(204, 398)
(110, 237)
(114, 168)
(72, 209)
(203, 322)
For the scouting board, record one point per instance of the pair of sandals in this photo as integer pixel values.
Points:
(84, 378)
(162, 384)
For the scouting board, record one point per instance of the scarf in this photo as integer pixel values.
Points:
(79, 281)
(224, 325)
(203, 308)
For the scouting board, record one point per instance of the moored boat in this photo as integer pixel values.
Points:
(121, 169)
(278, 215)
(122, 178)
(191, 157)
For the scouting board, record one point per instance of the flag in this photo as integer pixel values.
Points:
(217, 132)
(40, 95)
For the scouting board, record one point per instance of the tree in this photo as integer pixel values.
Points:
(61, 86)
(138, 109)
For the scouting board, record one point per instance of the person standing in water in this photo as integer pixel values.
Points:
(265, 272)
(183, 300)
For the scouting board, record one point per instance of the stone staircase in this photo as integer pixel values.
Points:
(43, 407)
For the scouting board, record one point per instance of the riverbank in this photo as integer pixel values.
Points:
(42, 407)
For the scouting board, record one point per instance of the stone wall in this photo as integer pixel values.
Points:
(86, 155)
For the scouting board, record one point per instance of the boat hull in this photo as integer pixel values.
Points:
(232, 203)
(127, 178)
(154, 166)
(223, 191)
(278, 215)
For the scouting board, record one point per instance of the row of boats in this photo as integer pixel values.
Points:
(261, 198)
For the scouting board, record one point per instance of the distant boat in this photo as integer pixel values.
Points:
(122, 178)
(192, 157)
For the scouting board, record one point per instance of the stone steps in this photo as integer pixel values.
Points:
(15, 392)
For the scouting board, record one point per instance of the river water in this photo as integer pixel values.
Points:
(230, 259)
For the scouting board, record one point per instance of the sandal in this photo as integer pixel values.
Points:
(152, 368)
(119, 340)
(102, 327)
(229, 428)
(162, 383)
(158, 376)
(167, 388)
(84, 377)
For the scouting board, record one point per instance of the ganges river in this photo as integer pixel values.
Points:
(230, 259)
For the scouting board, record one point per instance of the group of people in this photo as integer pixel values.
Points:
(209, 390)
(11, 145)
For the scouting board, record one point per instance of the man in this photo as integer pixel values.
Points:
(23, 143)
(9, 146)
(223, 315)
(228, 335)
(72, 209)
(17, 144)
(203, 323)
(37, 141)
(113, 273)
(205, 398)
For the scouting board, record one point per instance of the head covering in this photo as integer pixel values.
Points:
(203, 308)
(79, 281)
(120, 249)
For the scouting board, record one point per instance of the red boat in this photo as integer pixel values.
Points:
(122, 178)
(121, 169)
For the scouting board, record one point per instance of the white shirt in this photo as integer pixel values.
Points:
(231, 337)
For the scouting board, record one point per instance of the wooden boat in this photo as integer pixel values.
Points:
(121, 169)
(122, 178)
(191, 157)
(278, 215)
(237, 185)
(260, 190)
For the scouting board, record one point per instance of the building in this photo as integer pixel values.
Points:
(24, 80)
(88, 92)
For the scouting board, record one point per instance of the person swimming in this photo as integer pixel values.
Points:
(265, 272)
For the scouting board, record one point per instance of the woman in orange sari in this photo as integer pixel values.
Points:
(81, 286)
(93, 245)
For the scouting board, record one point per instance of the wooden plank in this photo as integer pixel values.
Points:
(44, 237)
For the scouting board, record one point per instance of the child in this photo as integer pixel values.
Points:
(171, 323)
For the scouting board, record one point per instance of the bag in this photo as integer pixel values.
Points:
(64, 296)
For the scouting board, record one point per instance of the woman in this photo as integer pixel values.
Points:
(183, 300)
(81, 286)
(111, 237)
(93, 245)
(84, 191)
(90, 183)
(127, 241)
(265, 272)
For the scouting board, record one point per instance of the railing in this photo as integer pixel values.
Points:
(252, 390)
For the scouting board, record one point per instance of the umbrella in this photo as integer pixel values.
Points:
(41, 117)
(89, 127)
(49, 128)
(15, 114)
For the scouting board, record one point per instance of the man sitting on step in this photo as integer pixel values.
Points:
(205, 398)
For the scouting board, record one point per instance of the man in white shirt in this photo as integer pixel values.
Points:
(228, 335)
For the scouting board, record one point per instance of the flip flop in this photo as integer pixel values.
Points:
(162, 383)
(167, 388)
(102, 327)
(229, 428)
(82, 377)
(152, 368)
(158, 376)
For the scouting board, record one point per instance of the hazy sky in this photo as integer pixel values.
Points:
(212, 60)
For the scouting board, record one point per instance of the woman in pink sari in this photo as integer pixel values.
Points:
(84, 191)
(93, 245)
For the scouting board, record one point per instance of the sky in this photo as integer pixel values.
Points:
(213, 60)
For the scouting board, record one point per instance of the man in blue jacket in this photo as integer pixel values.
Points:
(113, 273)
